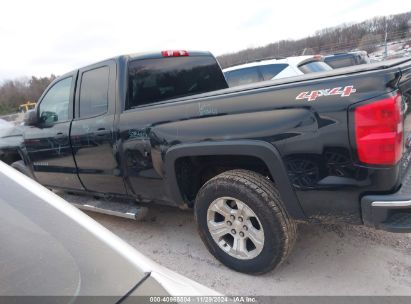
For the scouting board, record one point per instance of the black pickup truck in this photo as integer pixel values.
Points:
(252, 161)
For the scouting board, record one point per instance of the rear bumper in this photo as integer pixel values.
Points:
(391, 212)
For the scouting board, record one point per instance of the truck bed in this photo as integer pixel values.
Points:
(343, 72)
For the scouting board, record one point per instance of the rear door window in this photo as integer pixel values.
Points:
(340, 62)
(314, 66)
(94, 92)
(243, 76)
(271, 70)
(153, 80)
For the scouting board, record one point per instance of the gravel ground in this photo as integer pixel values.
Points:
(327, 259)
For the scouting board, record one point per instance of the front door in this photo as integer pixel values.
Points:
(92, 133)
(48, 143)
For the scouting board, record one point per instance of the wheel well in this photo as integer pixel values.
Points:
(10, 157)
(193, 172)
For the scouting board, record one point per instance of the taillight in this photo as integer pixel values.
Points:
(174, 53)
(379, 131)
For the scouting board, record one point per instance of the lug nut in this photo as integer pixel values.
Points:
(232, 217)
(233, 231)
(229, 223)
(241, 233)
(240, 219)
(245, 227)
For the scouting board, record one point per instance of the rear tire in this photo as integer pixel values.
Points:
(21, 167)
(243, 223)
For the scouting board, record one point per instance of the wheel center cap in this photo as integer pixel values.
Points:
(237, 225)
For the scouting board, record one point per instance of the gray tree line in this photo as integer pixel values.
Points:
(366, 36)
(16, 92)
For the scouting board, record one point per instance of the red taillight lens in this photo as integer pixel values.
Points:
(174, 53)
(379, 131)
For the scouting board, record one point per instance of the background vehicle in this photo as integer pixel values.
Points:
(341, 60)
(274, 69)
(49, 248)
(29, 105)
(252, 161)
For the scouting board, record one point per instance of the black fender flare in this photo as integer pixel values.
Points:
(260, 149)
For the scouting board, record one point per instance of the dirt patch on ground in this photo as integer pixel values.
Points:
(327, 259)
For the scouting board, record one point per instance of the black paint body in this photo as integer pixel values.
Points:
(308, 147)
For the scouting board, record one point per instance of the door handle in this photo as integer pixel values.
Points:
(60, 134)
(101, 131)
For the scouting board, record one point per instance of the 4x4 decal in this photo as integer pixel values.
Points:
(313, 95)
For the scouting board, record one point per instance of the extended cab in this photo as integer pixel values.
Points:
(252, 161)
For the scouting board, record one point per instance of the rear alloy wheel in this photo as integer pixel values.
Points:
(242, 221)
(235, 228)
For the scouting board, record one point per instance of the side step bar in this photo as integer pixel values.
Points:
(116, 207)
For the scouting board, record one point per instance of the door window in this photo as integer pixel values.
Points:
(269, 71)
(314, 66)
(340, 62)
(54, 107)
(242, 76)
(94, 92)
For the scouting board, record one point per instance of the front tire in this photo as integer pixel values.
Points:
(242, 221)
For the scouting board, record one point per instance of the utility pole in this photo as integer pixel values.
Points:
(385, 39)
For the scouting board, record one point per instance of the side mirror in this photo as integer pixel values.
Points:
(31, 118)
(48, 118)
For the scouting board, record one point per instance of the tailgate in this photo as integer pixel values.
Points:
(405, 89)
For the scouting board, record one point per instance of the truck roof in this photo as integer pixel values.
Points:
(150, 55)
(158, 54)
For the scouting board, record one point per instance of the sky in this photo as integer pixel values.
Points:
(48, 36)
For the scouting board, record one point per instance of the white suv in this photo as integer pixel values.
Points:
(274, 69)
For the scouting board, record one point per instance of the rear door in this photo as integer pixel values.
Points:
(152, 81)
(48, 143)
(92, 134)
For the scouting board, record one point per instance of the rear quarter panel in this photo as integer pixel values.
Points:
(311, 136)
